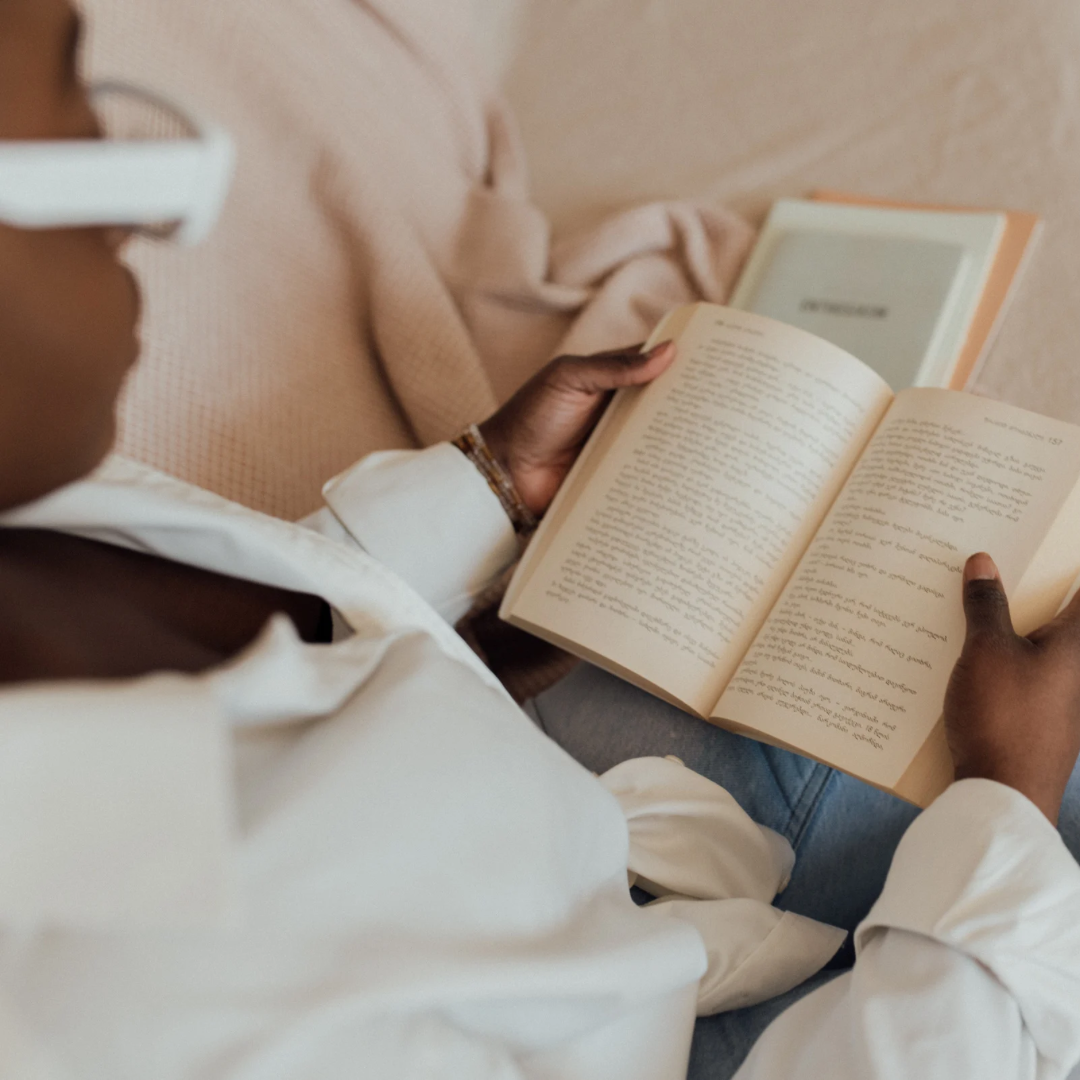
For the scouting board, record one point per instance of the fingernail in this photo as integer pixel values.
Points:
(656, 350)
(980, 567)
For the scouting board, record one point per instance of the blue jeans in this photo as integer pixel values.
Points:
(844, 832)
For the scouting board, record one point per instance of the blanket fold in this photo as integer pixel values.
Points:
(379, 277)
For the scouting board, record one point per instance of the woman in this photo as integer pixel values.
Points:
(262, 814)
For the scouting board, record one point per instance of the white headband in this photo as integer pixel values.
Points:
(70, 183)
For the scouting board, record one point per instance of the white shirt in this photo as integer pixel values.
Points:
(364, 860)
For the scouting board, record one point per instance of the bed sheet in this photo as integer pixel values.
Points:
(742, 101)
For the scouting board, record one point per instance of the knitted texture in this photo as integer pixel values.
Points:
(379, 277)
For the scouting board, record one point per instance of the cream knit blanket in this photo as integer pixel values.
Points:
(379, 277)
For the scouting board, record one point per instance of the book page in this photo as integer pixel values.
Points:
(852, 663)
(668, 560)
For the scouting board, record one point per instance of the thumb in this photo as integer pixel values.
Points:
(612, 370)
(985, 603)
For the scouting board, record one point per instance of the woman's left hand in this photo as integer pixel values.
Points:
(537, 435)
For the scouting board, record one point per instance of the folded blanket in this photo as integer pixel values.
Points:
(379, 277)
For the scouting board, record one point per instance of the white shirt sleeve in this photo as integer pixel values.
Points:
(429, 516)
(968, 965)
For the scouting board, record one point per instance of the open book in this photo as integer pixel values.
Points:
(769, 538)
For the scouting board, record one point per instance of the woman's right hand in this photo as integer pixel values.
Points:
(1012, 709)
(537, 435)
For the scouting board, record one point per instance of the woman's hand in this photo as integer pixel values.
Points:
(1012, 709)
(537, 435)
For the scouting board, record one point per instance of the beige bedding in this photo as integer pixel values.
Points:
(745, 100)
(379, 277)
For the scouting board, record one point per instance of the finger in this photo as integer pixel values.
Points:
(985, 603)
(610, 371)
(637, 349)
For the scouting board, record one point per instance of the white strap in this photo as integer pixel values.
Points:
(80, 182)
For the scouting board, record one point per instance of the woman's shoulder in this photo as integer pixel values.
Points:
(132, 505)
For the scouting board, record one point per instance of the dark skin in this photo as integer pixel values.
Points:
(78, 609)
(1012, 709)
(72, 608)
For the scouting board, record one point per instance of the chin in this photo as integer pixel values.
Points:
(72, 463)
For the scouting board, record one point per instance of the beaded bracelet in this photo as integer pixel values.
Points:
(471, 443)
